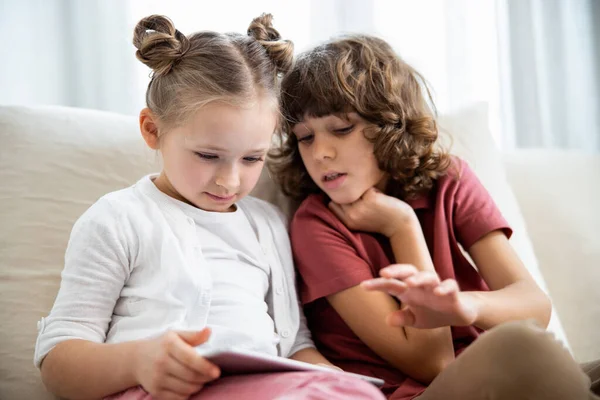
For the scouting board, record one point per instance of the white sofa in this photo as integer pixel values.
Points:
(55, 162)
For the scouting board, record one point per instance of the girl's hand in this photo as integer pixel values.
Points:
(375, 212)
(168, 367)
(426, 302)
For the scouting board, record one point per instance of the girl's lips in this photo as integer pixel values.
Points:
(219, 198)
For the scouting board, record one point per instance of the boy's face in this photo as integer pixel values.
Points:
(216, 158)
(338, 156)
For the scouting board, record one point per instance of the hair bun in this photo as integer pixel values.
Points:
(281, 52)
(159, 44)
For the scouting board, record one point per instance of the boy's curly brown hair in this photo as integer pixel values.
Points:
(362, 74)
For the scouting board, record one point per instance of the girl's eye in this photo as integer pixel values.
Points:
(253, 159)
(345, 130)
(205, 156)
(305, 139)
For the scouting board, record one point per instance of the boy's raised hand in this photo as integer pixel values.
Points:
(168, 367)
(426, 301)
(375, 212)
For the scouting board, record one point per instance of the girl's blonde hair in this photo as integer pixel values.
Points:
(362, 74)
(191, 71)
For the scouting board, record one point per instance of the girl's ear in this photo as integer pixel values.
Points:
(149, 128)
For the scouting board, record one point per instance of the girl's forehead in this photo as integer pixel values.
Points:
(231, 127)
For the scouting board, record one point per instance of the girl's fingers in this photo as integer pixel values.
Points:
(393, 287)
(403, 317)
(187, 355)
(180, 387)
(184, 373)
(398, 271)
(195, 338)
(447, 287)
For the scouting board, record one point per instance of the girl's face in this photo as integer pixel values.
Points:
(216, 158)
(338, 157)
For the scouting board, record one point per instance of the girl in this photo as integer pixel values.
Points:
(149, 269)
(361, 154)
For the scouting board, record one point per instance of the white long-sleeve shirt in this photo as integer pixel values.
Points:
(134, 268)
(240, 281)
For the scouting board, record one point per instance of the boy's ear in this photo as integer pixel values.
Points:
(149, 128)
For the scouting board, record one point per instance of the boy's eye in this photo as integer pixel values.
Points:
(305, 139)
(205, 156)
(253, 159)
(342, 131)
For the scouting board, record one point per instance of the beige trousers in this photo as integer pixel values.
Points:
(515, 361)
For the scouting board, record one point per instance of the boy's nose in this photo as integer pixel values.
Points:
(322, 150)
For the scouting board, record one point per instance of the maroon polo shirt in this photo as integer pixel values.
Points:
(331, 258)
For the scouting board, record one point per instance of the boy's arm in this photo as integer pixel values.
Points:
(420, 356)
(420, 353)
(513, 294)
(482, 230)
(332, 268)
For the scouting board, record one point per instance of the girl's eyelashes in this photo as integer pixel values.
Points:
(213, 157)
(206, 156)
(253, 159)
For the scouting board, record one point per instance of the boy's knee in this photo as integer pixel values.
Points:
(534, 361)
(513, 338)
(521, 347)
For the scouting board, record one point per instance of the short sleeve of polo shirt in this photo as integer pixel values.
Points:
(475, 212)
(327, 260)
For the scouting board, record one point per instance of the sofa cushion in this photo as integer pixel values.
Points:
(558, 192)
(54, 163)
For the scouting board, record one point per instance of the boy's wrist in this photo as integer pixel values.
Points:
(473, 302)
(405, 223)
